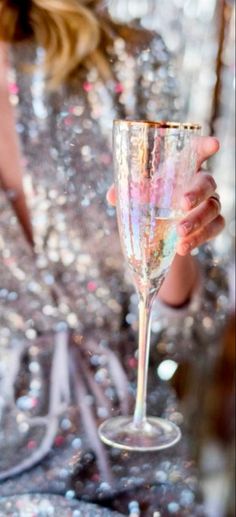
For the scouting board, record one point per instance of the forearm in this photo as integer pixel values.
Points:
(10, 156)
(180, 281)
(10, 161)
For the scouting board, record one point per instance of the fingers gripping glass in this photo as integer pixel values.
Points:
(153, 164)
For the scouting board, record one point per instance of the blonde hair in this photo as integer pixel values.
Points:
(68, 30)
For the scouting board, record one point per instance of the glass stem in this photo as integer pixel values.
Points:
(145, 306)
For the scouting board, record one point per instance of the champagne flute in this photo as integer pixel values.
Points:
(153, 162)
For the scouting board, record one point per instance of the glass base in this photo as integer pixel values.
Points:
(153, 435)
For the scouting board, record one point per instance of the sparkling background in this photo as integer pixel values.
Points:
(64, 305)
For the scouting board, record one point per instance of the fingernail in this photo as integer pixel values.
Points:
(191, 199)
(186, 227)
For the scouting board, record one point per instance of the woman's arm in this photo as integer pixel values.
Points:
(10, 157)
(180, 282)
(201, 223)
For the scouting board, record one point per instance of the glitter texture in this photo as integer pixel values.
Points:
(47, 505)
(68, 312)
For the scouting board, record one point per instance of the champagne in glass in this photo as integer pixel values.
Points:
(154, 161)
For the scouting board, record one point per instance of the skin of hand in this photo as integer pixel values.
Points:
(202, 221)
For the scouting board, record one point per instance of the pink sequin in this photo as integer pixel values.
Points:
(31, 444)
(13, 88)
(91, 286)
(132, 362)
(59, 440)
(119, 88)
(87, 86)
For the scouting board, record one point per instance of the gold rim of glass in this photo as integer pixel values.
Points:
(163, 124)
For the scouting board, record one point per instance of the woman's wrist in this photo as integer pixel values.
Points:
(181, 281)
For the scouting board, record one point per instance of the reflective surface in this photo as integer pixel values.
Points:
(150, 435)
(153, 163)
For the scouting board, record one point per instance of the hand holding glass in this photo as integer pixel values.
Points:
(154, 163)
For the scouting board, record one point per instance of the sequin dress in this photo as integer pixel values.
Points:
(68, 312)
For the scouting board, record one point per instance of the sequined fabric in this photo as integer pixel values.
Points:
(73, 226)
(69, 317)
(24, 290)
(50, 505)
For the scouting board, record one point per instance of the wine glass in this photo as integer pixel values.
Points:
(153, 162)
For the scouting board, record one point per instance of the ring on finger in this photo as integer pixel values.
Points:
(216, 197)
